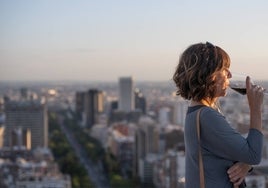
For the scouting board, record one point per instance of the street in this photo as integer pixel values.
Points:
(94, 171)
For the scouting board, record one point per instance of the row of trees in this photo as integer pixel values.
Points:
(97, 154)
(65, 156)
(69, 163)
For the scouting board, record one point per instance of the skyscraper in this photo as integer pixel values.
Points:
(80, 104)
(140, 101)
(26, 121)
(126, 94)
(93, 106)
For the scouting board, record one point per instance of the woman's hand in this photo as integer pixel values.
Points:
(254, 94)
(255, 100)
(238, 172)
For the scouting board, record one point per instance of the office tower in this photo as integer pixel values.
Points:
(126, 94)
(79, 104)
(26, 121)
(140, 101)
(93, 106)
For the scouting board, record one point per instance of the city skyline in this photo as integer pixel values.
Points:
(105, 40)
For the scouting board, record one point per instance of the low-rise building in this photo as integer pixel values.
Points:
(31, 169)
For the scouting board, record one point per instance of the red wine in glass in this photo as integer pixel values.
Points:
(240, 90)
(238, 84)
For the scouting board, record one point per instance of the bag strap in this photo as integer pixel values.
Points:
(201, 166)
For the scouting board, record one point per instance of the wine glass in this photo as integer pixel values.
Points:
(238, 83)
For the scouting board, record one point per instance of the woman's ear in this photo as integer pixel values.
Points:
(214, 76)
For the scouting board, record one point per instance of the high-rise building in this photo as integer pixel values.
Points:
(94, 104)
(88, 106)
(140, 101)
(126, 94)
(26, 121)
(80, 104)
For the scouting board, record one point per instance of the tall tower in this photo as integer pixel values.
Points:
(80, 104)
(126, 94)
(93, 106)
(140, 101)
(26, 124)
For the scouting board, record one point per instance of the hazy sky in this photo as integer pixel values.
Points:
(106, 39)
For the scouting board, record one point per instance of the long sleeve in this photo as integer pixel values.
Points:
(222, 140)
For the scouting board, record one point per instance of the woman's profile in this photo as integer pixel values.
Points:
(202, 77)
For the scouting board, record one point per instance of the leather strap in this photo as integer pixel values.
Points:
(201, 166)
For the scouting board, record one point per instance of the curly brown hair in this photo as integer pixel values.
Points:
(194, 73)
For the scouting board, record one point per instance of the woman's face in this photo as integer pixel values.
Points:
(222, 81)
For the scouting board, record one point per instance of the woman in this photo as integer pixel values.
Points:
(202, 76)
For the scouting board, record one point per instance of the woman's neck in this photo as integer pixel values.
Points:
(213, 104)
(202, 102)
